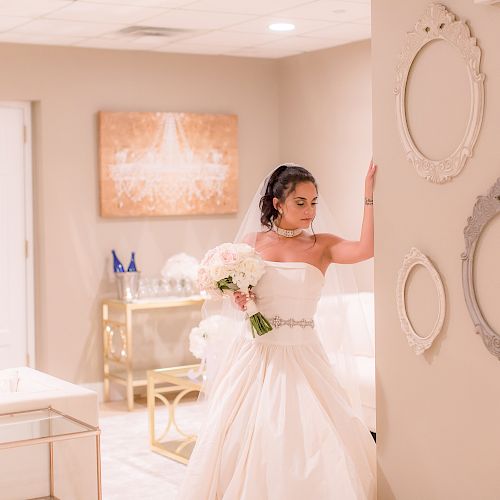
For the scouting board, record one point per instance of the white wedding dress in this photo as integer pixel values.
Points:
(279, 425)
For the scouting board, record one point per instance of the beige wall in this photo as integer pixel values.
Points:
(73, 242)
(437, 413)
(323, 98)
(325, 125)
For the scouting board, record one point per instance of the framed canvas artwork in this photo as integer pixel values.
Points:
(157, 164)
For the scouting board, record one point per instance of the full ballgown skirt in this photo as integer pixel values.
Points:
(278, 425)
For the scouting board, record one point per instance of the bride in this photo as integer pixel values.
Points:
(281, 422)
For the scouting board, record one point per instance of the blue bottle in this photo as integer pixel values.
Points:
(117, 265)
(131, 267)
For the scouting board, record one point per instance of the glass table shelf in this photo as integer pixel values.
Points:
(47, 425)
(37, 426)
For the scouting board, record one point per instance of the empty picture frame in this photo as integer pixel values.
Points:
(439, 24)
(417, 342)
(485, 209)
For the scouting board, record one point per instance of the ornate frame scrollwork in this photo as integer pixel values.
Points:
(439, 24)
(413, 258)
(485, 209)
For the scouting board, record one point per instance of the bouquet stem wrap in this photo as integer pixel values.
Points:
(260, 325)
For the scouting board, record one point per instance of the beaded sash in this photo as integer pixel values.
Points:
(277, 321)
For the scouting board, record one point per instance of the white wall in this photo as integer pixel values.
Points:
(73, 243)
(325, 125)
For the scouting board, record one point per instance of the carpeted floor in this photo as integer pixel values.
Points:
(130, 470)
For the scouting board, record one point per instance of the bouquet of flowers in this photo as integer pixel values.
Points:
(232, 267)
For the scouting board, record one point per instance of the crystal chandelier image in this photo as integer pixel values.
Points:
(168, 172)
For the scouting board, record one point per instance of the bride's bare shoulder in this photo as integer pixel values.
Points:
(249, 238)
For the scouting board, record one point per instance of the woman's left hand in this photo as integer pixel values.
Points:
(370, 179)
(241, 299)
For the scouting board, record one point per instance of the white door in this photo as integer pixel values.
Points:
(16, 263)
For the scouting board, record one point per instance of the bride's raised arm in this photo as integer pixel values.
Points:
(343, 251)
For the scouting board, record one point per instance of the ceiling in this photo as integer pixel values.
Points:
(218, 27)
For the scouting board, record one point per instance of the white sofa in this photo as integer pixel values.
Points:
(359, 316)
(24, 470)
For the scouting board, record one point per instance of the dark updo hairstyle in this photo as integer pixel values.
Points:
(281, 183)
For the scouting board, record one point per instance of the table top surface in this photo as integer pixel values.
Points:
(187, 373)
(25, 426)
(156, 302)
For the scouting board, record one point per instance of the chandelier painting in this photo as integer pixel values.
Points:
(154, 164)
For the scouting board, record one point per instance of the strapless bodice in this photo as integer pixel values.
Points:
(290, 290)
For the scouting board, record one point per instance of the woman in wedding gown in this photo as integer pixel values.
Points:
(279, 425)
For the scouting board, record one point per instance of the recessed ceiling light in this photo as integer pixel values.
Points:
(282, 27)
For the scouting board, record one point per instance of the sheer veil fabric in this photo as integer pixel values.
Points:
(340, 296)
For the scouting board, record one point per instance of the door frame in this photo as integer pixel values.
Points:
(25, 107)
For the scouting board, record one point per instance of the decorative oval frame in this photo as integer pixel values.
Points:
(439, 24)
(485, 209)
(413, 258)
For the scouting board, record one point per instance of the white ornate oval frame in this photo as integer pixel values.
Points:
(439, 24)
(486, 208)
(413, 258)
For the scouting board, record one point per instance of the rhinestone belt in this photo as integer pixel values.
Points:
(277, 321)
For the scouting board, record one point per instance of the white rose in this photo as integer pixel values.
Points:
(198, 342)
(218, 272)
(253, 270)
(244, 249)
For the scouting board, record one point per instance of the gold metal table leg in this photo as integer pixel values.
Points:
(105, 317)
(151, 407)
(130, 376)
(98, 451)
(179, 447)
(51, 459)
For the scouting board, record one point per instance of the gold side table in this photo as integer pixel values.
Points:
(47, 425)
(118, 364)
(161, 382)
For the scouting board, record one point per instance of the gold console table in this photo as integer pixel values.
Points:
(118, 365)
(47, 425)
(161, 382)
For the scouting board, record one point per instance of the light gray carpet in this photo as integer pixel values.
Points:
(130, 470)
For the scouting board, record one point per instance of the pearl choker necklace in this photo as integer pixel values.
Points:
(288, 233)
